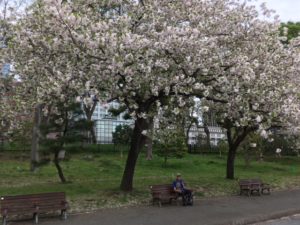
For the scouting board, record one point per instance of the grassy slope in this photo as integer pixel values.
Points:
(94, 181)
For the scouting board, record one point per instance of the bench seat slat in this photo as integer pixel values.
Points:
(33, 203)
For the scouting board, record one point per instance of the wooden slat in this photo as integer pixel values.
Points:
(21, 204)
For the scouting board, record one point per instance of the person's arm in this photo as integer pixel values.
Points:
(183, 184)
(174, 185)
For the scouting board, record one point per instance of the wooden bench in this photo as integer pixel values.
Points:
(33, 204)
(249, 186)
(163, 193)
(263, 186)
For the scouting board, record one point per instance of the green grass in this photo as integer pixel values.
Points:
(94, 181)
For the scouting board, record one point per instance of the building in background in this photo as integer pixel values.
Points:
(105, 123)
(197, 134)
(216, 134)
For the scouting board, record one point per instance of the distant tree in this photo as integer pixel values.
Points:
(122, 134)
(290, 30)
(172, 143)
(65, 126)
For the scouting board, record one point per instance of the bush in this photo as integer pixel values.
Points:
(171, 143)
(122, 134)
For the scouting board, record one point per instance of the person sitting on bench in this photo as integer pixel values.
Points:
(179, 187)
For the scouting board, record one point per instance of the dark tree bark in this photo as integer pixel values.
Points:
(89, 111)
(234, 142)
(231, 156)
(56, 153)
(149, 142)
(34, 155)
(137, 143)
(206, 130)
(58, 167)
(149, 155)
(187, 137)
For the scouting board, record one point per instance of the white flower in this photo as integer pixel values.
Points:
(252, 145)
(176, 111)
(87, 85)
(258, 119)
(206, 93)
(197, 86)
(59, 121)
(78, 99)
(144, 132)
(264, 134)
(205, 108)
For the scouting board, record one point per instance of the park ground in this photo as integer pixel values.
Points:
(94, 178)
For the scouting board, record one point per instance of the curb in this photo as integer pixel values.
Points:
(264, 218)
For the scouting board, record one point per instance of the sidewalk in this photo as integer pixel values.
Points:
(235, 210)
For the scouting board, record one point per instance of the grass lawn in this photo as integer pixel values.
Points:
(94, 180)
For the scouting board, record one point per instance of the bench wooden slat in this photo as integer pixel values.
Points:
(33, 203)
(253, 185)
(162, 193)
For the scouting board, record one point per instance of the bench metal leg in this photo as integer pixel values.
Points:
(64, 214)
(267, 191)
(36, 218)
(249, 193)
(4, 220)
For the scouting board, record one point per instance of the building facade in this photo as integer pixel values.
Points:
(216, 134)
(105, 123)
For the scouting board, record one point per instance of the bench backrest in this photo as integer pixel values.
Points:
(244, 182)
(256, 180)
(253, 183)
(162, 188)
(32, 203)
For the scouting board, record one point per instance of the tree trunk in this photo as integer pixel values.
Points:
(137, 142)
(56, 155)
(89, 111)
(92, 129)
(149, 155)
(187, 134)
(233, 144)
(149, 142)
(93, 134)
(206, 130)
(230, 162)
(59, 169)
(34, 155)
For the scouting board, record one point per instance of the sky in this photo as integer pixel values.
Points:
(288, 10)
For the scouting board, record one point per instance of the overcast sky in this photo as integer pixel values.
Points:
(288, 10)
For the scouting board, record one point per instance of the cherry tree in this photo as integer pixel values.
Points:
(141, 53)
(8, 105)
(259, 93)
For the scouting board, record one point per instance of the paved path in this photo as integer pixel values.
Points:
(234, 210)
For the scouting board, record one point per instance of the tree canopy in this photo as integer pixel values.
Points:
(141, 53)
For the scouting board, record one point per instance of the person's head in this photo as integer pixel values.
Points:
(178, 176)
